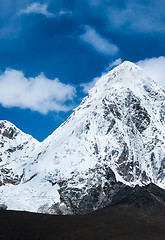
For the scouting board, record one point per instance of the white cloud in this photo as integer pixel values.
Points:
(38, 94)
(97, 42)
(37, 8)
(155, 68)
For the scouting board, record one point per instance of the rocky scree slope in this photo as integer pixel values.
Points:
(116, 137)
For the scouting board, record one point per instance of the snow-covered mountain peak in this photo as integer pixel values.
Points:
(115, 136)
(10, 131)
(125, 76)
(124, 104)
(123, 80)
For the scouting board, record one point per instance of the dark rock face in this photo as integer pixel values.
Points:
(3, 207)
(147, 197)
(7, 132)
(156, 191)
(139, 115)
(90, 197)
(130, 111)
(136, 114)
(8, 177)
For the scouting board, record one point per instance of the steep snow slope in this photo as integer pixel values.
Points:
(115, 137)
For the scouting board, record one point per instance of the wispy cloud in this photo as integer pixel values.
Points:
(138, 16)
(98, 42)
(87, 86)
(37, 8)
(115, 63)
(127, 15)
(38, 94)
(64, 12)
(155, 67)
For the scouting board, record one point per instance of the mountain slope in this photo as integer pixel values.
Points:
(114, 138)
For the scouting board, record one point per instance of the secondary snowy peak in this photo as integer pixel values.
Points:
(116, 136)
(8, 130)
(16, 149)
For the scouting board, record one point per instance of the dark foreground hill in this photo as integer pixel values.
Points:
(136, 214)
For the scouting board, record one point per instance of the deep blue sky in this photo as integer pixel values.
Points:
(74, 41)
